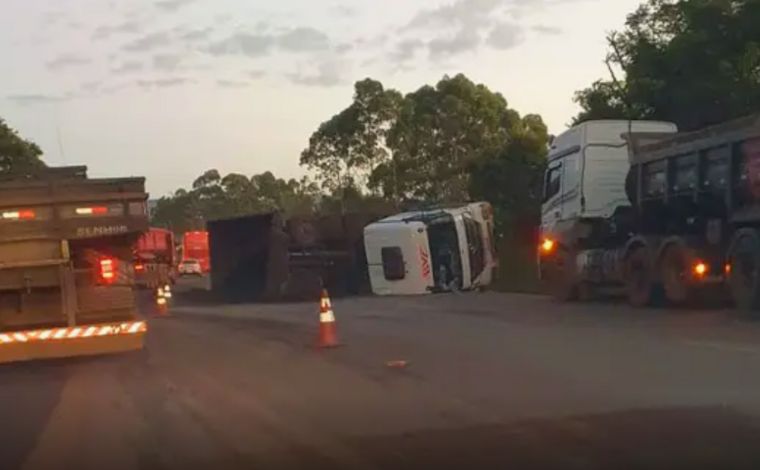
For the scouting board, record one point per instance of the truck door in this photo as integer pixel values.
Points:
(551, 208)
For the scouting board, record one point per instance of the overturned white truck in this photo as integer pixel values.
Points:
(437, 249)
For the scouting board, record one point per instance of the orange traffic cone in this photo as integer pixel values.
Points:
(328, 336)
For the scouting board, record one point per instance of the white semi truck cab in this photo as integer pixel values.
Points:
(664, 215)
(441, 249)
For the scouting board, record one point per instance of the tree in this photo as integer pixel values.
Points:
(346, 149)
(17, 155)
(511, 179)
(693, 62)
(440, 134)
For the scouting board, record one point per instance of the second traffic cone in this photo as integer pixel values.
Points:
(162, 303)
(328, 335)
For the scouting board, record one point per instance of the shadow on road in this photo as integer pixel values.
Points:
(641, 439)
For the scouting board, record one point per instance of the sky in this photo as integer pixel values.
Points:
(170, 88)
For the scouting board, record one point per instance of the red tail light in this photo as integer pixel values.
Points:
(139, 268)
(107, 270)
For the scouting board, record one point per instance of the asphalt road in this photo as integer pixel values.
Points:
(491, 381)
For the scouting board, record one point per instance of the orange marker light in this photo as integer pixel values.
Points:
(700, 269)
(547, 246)
(727, 268)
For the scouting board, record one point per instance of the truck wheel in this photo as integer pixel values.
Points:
(674, 271)
(637, 274)
(562, 282)
(744, 275)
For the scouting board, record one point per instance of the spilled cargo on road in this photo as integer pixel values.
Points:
(267, 257)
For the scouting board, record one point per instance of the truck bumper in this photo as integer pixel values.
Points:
(83, 340)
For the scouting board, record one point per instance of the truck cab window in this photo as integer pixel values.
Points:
(474, 247)
(552, 183)
(394, 267)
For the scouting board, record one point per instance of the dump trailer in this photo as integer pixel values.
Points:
(677, 214)
(66, 282)
(268, 258)
(195, 247)
(154, 255)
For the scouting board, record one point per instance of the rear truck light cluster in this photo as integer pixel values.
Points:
(107, 271)
(95, 210)
(22, 214)
(62, 334)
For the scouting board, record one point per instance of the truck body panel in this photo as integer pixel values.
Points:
(195, 245)
(66, 263)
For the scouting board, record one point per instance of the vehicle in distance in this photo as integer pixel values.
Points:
(154, 255)
(437, 249)
(190, 267)
(195, 247)
(66, 283)
(665, 215)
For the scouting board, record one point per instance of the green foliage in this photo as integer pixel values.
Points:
(440, 134)
(345, 149)
(214, 197)
(452, 142)
(17, 155)
(693, 62)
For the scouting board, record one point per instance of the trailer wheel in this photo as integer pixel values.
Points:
(637, 274)
(562, 283)
(674, 271)
(744, 275)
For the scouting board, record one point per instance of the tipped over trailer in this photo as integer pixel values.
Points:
(659, 213)
(268, 258)
(66, 279)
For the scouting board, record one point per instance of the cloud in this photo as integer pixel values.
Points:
(465, 40)
(251, 45)
(104, 32)
(543, 29)
(29, 99)
(256, 74)
(505, 36)
(166, 61)
(327, 74)
(128, 67)
(406, 49)
(91, 86)
(344, 48)
(66, 61)
(148, 42)
(344, 10)
(470, 13)
(172, 5)
(163, 82)
(232, 84)
(196, 34)
(304, 39)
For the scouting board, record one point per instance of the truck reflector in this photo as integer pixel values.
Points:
(63, 334)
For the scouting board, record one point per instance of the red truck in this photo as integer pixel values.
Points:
(154, 259)
(195, 247)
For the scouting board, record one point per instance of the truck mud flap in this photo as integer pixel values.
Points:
(85, 340)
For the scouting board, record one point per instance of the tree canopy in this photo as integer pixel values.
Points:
(693, 62)
(452, 142)
(17, 155)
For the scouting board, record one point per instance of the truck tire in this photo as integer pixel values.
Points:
(562, 277)
(638, 276)
(674, 272)
(744, 275)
